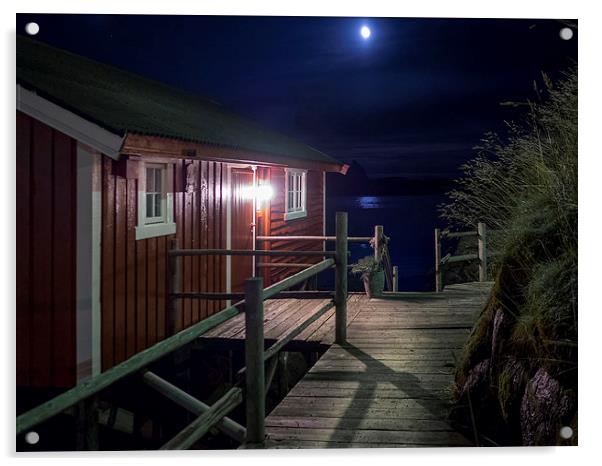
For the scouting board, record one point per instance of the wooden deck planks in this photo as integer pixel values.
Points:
(390, 385)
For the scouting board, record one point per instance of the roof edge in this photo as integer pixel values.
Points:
(69, 123)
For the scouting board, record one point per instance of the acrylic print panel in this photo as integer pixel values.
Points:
(178, 288)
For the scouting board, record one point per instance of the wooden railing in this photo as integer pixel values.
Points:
(480, 233)
(379, 242)
(252, 388)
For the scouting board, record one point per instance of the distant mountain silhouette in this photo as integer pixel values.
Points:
(357, 183)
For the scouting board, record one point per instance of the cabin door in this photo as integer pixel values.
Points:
(241, 227)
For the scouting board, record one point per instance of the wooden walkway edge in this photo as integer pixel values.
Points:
(390, 384)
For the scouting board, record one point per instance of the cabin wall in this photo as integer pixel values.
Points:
(134, 272)
(311, 225)
(45, 255)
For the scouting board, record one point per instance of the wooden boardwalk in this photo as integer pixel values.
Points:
(280, 315)
(389, 386)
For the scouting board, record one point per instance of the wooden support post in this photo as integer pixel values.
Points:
(173, 287)
(378, 239)
(438, 271)
(86, 420)
(395, 279)
(254, 359)
(340, 298)
(283, 369)
(482, 236)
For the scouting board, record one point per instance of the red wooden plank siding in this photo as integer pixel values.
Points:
(203, 207)
(24, 233)
(63, 264)
(134, 272)
(312, 225)
(211, 233)
(107, 263)
(46, 240)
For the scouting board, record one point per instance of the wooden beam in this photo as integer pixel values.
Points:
(139, 361)
(173, 287)
(350, 239)
(247, 252)
(482, 239)
(201, 425)
(226, 425)
(254, 360)
(438, 269)
(462, 258)
(293, 265)
(87, 428)
(378, 238)
(299, 277)
(341, 278)
(239, 296)
(458, 234)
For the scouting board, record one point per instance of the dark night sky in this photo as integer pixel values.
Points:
(411, 101)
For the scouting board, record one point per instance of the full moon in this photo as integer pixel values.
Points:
(566, 33)
(365, 32)
(32, 28)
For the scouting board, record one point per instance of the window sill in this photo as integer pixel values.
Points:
(153, 230)
(294, 215)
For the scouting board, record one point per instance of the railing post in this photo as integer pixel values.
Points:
(254, 359)
(378, 237)
(438, 272)
(87, 429)
(482, 236)
(173, 286)
(395, 279)
(340, 295)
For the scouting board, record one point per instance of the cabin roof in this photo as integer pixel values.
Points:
(125, 103)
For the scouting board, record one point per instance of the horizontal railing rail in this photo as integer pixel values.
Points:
(245, 252)
(350, 239)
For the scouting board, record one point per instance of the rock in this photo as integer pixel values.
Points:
(543, 409)
(477, 382)
(498, 336)
(511, 386)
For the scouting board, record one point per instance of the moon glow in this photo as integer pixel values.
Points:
(365, 32)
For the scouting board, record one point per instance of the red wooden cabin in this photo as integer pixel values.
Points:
(110, 167)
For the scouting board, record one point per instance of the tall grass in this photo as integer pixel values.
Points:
(524, 187)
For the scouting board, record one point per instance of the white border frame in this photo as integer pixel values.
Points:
(150, 230)
(299, 213)
(88, 262)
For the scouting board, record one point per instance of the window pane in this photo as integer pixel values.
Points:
(158, 212)
(158, 180)
(149, 205)
(150, 180)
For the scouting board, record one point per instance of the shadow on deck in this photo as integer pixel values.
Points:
(390, 384)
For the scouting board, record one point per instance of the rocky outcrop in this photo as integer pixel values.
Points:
(545, 408)
(514, 401)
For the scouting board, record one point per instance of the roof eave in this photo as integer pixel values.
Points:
(136, 144)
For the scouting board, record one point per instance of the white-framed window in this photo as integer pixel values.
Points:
(155, 200)
(296, 194)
